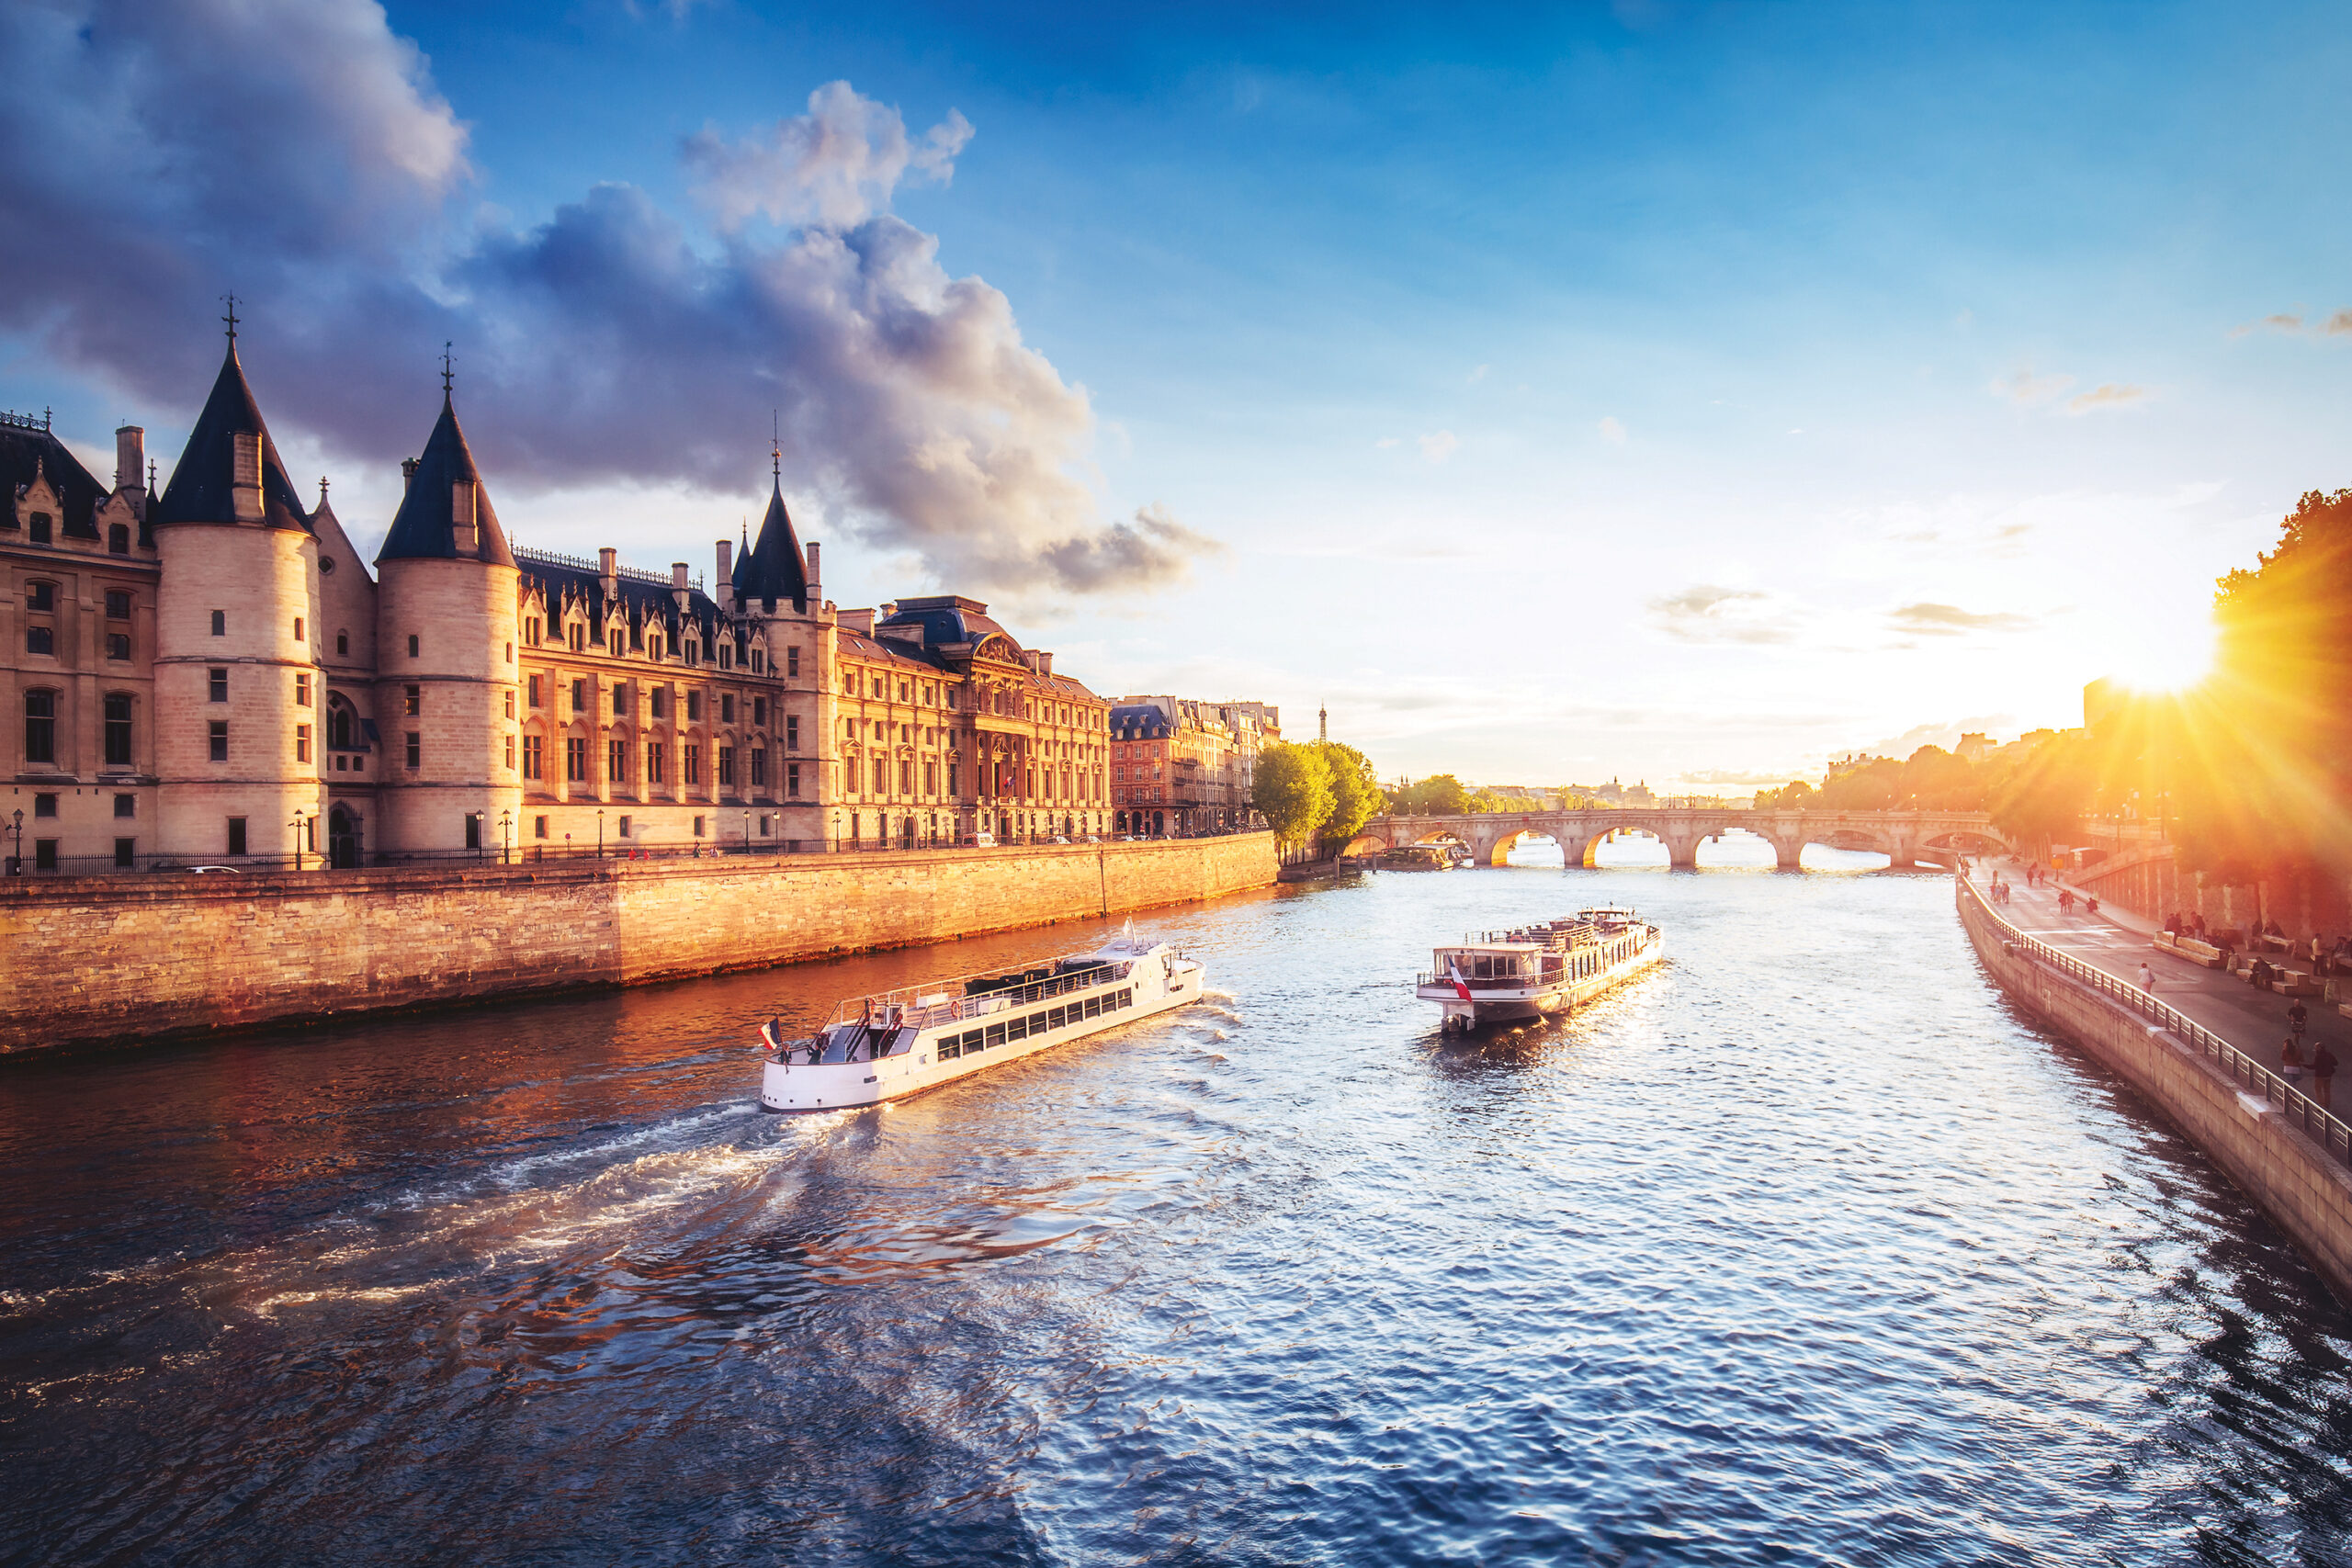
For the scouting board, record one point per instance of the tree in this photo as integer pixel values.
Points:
(1439, 795)
(1355, 792)
(2047, 794)
(1935, 780)
(1794, 796)
(1292, 790)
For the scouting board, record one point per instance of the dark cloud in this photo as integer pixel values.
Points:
(1951, 620)
(295, 152)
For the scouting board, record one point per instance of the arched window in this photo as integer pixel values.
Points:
(41, 727)
(342, 724)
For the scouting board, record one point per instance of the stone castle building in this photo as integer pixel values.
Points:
(213, 675)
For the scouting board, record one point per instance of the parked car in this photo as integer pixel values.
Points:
(229, 870)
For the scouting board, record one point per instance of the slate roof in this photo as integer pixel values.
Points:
(426, 527)
(948, 618)
(201, 479)
(859, 645)
(641, 603)
(1139, 721)
(776, 568)
(25, 449)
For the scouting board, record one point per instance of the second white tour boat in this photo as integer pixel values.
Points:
(895, 1043)
(1516, 976)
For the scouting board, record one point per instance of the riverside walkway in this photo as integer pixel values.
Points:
(2117, 942)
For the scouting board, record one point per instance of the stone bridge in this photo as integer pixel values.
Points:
(1905, 838)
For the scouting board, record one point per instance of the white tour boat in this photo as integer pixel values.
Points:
(900, 1043)
(1509, 977)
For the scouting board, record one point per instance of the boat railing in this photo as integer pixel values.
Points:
(921, 1007)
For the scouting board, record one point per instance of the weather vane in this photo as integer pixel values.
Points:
(775, 449)
(445, 373)
(231, 301)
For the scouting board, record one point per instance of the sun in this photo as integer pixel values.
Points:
(2162, 653)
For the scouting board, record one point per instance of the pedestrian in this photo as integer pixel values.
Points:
(2298, 1017)
(2324, 1076)
(2065, 900)
(2090, 903)
(2147, 977)
(2290, 1063)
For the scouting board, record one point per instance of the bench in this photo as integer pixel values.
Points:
(2191, 948)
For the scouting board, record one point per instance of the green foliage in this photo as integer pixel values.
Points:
(1439, 795)
(1355, 792)
(1794, 796)
(2041, 800)
(1292, 790)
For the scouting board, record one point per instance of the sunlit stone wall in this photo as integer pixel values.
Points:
(121, 957)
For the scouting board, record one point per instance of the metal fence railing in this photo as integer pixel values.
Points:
(536, 852)
(2324, 1129)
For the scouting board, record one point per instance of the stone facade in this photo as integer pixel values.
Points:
(215, 676)
(1184, 766)
(151, 957)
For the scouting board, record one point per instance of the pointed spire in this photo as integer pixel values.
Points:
(204, 479)
(775, 568)
(445, 512)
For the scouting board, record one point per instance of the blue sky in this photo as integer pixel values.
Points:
(1678, 391)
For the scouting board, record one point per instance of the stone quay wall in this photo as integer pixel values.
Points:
(100, 959)
(2302, 1190)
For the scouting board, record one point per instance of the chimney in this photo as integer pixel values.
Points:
(608, 571)
(407, 473)
(462, 519)
(1044, 665)
(130, 457)
(679, 589)
(244, 476)
(816, 594)
(718, 585)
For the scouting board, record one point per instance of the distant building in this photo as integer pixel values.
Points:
(1180, 765)
(1974, 747)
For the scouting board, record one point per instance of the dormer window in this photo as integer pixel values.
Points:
(117, 539)
(577, 636)
(726, 656)
(40, 528)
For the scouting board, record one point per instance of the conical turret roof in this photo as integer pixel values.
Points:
(775, 568)
(206, 473)
(426, 527)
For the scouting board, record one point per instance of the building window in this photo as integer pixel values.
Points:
(411, 644)
(216, 682)
(580, 696)
(531, 630)
(690, 763)
(298, 628)
(726, 656)
(656, 756)
(538, 827)
(220, 622)
(697, 826)
(218, 736)
(339, 725)
(302, 742)
(726, 707)
(694, 707)
(931, 778)
(412, 700)
(618, 649)
(126, 850)
(117, 539)
(535, 693)
(510, 653)
(118, 730)
(620, 699)
(40, 596)
(473, 829)
(658, 698)
(415, 749)
(117, 604)
(44, 806)
(510, 754)
(301, 691)
(951, 778)
(44, 854)
(727, 766)
(534, 759)
(905, 778)
(760, 711)
(575, 759)
(792, 661)
(126, 806)
(759, 661)
(759, 768)
(39, 640)
(577, 636)
(792, 732)
(119, 645)
(792, 780)
(625, 827)
(510, 702)
(616, 761)
(236, 835)
(342, 643)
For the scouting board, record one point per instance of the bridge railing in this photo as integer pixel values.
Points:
(2299, 1108)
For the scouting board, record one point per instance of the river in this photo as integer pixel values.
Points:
(1803, 1249)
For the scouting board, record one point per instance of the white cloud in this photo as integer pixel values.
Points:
(2027, 387)
(2106, 395)
(1613, 430)
(1439, 445)
(1705, 612)
(836, 165)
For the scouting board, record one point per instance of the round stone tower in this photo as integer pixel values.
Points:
(239, 698)
(445, 691)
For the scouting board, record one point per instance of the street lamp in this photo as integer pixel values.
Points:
(477, 821)
(505, 837)
(16, 861)
(297, 826)
(600, 832)
(747, 832)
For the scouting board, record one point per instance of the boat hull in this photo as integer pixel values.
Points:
(786, 1088)
(1531, 1003)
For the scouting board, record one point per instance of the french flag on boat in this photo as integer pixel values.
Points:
(1454, 973)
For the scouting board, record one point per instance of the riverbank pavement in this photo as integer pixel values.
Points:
(2119, 941)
